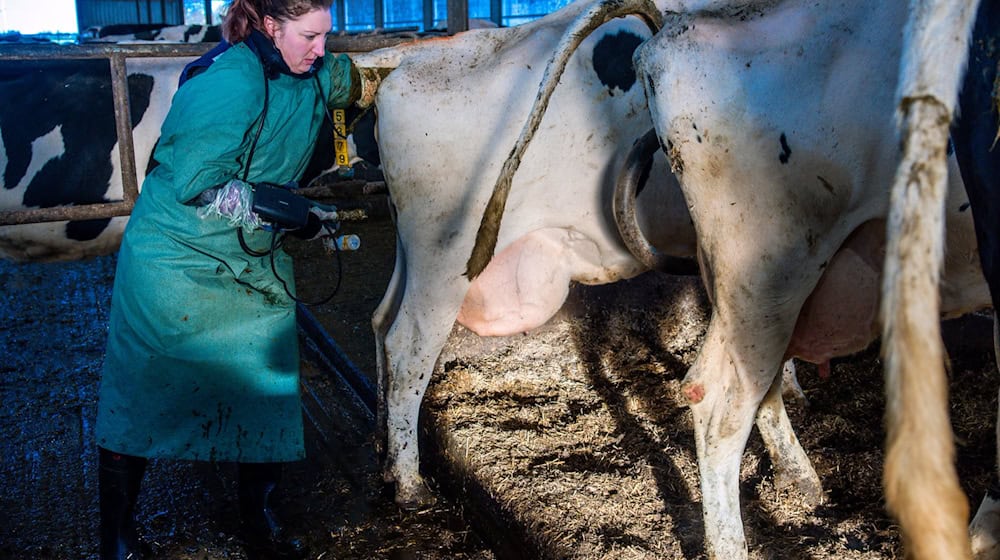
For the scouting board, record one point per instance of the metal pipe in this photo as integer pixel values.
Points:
(341, 15)
(496, 12)
(117, 54)
(101, 50)
(123, 124)
(64, 213)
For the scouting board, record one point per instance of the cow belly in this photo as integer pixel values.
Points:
(526, 283)
(840, 315)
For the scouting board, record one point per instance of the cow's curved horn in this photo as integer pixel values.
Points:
(595, 16)
(631, 179)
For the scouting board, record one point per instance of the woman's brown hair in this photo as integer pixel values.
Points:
(245, 15)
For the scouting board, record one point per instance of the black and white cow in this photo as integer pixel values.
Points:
(156, 33)
(58, 146)
(975, 135)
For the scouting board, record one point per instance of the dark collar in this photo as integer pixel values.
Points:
(271, 59)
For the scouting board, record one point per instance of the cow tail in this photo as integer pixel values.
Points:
(595, 16)
(631, 179)
(921, 483)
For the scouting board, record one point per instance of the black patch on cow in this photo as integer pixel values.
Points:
(191, 30)
(786, 152)
(148, 35)
(613, 60)
(129, 29)
(86, 230)
(993, 489)
(151, 163)
(963, 207)
(36, 97)
(213, 34)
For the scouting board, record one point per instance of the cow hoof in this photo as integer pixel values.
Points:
(809, 490)
(419, 498)
(985, 530)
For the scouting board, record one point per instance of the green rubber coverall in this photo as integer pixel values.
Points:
(202, 360)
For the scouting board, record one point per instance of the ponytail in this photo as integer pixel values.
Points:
(246, 15)
(242, 17)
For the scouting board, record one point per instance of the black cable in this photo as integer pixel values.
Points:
(252, 252)
(276, 241)
(340, 271)
(246, 170)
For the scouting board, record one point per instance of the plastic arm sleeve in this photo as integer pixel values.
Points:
(232, 201)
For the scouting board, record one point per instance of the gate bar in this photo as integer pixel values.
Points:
(117, 53)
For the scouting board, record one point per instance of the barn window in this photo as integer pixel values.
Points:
(69, 17)
(423, 15)
(38, 16)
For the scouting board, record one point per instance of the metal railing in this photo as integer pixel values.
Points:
(117, 54)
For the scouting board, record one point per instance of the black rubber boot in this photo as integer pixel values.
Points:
(119, 478)
(263, 533)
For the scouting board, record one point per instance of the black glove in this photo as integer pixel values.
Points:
(322, 222)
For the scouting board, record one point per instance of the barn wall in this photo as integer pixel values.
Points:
(96, 13)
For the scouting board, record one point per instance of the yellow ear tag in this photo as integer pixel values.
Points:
(343, 158)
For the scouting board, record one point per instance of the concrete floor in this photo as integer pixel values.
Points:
(54, 319)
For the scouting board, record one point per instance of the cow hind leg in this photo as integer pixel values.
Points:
(412, 346)
(792, 468)
(985, 526)
(724, 404)
(790, 388)
(383, 318)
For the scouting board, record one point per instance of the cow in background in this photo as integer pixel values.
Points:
(154, 33)
(59, 146)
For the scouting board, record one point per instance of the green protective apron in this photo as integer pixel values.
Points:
(202, 359)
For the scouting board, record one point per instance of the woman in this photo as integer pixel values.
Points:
(202, 358)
